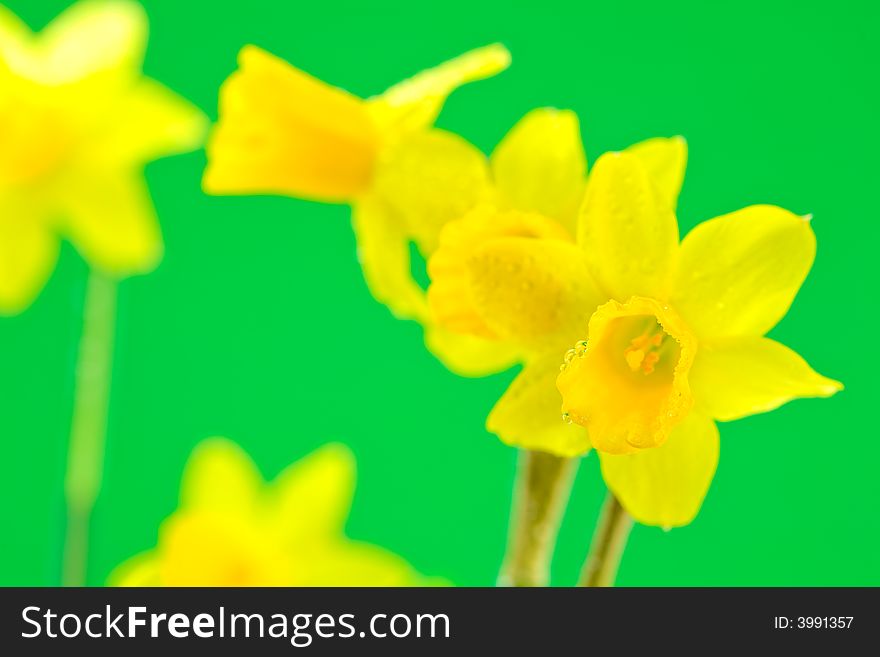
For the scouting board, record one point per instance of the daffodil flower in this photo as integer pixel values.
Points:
(667, 337)
(282, 131)
(78, 122)
(539, 176)
(234, 529)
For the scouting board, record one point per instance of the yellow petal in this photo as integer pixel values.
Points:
(149, 122)
(220, 476)
(28, 252)
(38, 133)
(666, 486)
(540, 165)
(745, 376)
(384, 254)
(140, 570)
(218, 549)
(469, 355)
(531, 289)
(628, 232)
(428, 179)
(508, 275)
(529, 414)
(15, 39)
(414, 104)
(353, 563)
(283, 131)
(310, 500)
(94, 37)
(739, 273)
(628, 383)
(665, 159)
(111, 221)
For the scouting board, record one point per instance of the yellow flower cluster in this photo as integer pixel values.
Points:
(632, 341)
(654, 338)
(531, 260)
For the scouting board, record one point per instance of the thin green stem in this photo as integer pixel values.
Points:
(609, 542)
(542, 489)
(85, 459)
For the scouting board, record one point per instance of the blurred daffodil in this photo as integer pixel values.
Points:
(532, 184)
(668, 337)
(282, 131)
(77, 123)
(234, 529)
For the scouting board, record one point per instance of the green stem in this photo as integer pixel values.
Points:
(85, 459)
(609, 542)
(543, 486)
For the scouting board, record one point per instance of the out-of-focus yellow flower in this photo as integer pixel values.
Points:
(77, 123)
(668, 336)
(532, 184)
(282, 131)
(234, 529)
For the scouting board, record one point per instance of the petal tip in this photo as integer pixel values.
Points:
(338, 457)
(499, 54)
(832, 387)
(250, 54)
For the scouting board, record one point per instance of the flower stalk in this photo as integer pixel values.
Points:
(85, 460)
(609, 542)
(542, 489)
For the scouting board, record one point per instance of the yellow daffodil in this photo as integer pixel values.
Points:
(77, 123)
(539, 176)
(234, 529)
(668, 337)
(282, 131)
(531, 185)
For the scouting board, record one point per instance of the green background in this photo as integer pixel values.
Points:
(258, 325)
